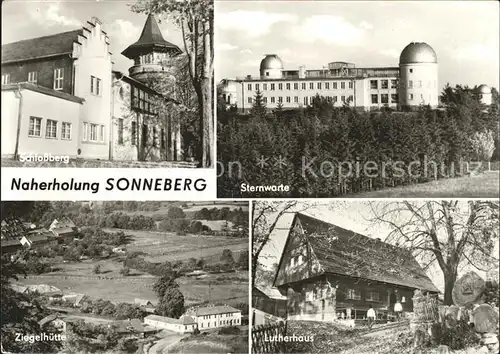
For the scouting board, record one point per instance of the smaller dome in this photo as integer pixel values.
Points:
(484, 89)
(416, 52)
(271, 61)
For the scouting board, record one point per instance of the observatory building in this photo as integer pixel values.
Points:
(413, 83)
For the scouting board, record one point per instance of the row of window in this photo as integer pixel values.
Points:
(384, 98)
(228, 322)
(51, 128)
(303, 85)
(418, 84)
(93, 132)
(354, 294)
(142, 100)
(95, 83)
(157, 141)
(383, 84)
(305, 100)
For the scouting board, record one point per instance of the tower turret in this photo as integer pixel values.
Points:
(153, 56)
(418, 75)
(271, 67)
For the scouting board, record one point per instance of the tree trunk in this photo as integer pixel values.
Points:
(449, 283)
(208, 125)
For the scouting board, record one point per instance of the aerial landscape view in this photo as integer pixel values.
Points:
(125, 277)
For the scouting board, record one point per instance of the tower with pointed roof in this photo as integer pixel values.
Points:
(153, 56)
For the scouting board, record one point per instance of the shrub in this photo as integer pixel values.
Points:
(229, 330)
(460, 336)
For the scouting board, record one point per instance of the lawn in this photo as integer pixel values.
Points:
(167, 246)
(484, 185)
(211, 343)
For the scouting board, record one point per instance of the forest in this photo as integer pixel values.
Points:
(325, 151)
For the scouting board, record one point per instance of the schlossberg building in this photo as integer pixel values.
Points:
(412, 83)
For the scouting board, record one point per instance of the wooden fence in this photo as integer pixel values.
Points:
(269, 338)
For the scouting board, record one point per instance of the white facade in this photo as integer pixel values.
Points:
(418, 84)
(185, 324)
(92, 82)
(216, 317)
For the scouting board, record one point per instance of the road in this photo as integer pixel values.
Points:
(163, 343)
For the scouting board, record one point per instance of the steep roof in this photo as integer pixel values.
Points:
(184, 319)
(48, 319)
(41, 47)
(142, 302)
(344, 252)
(270, 292)
(151, 38)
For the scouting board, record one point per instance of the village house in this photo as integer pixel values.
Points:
(147, 305)
(38, 239)
(54, 320)
(268, 305)
(216, 316)
(184, 324)
(131, 328)
(64, 230)
(327, 272)
(61, 96)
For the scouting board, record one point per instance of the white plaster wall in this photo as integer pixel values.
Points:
(427, 93)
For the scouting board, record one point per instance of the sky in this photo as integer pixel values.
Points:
(356, 216)
(24, 19)
(465, 35)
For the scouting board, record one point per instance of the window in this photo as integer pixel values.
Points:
(394, 98)
(350, 84)
(394, 84)
(384, 98)
(264, 99)
(342, 98)
(384, 84)
(300, 259)
(335, 99)
(288, 86)
(155, 137)
(319, 86)
(249, 87)
(264, 87)
(351, 98)
(145, 135)
(374, 99)
(419, 83)
(58, 78)
(411, 70)
(133, 135)
(288, 99)
(66, 131)
(95, 85)
(51, 129)
(120, 131)
(257, 87)
(311, 86)
(373, 84)
(32, 77)
(267, 73)
(35, 126)
(342, 85)
(305, 101)
(272, 87)
(101, 133)
(162, 138)
(280, 87)
(410, 84)
(249, 99)
(373, 296)
(296, 99)
(272, 100)
(327, 85)
(5, 79)
(93, 132)
(410, 96)
(85, 131)
(296, 86)
(334, 85)
(303, 86)
(280, 99)
(353, 294)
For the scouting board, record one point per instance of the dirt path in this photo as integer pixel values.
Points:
(160, 346)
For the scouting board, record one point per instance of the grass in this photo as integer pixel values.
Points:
(485, 185)
(211, 343)
(167, 246)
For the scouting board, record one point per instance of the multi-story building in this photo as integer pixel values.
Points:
(60, 96)
(216, 316)
(412, 83)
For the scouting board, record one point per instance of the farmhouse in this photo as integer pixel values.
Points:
(55, 320)
(37, 239)
(132, 328)
(327, 272)
(184, 324)
(145, 304)
(64, 229)
(216, 316)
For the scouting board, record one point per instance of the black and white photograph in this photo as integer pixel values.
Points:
(125, 277)
(107, 83)
(359, 277)
(368, 99)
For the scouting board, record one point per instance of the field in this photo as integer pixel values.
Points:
(485, 185)
(212, 343)
(167, 246)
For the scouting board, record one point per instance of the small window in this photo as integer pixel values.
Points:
(5, 79)
(93, 132)
(353, 294)
(264, 99)
(280, 99)
(373, 84)
(272, 87)
(280, 87)
(327, 85)
(32, 77)
(133, 135)
(250, 100)
(342, 98)
(264, 87)
(162, 137)
(411, 70)
(410, 96)
(272, 100)
(335, 99)
(394, 84)
(350, 84)
(257, 87)
(296, 99)
(288, 99)
(66, 131)
(374, 99)
(303, 86)
(267, 73)
(35, 128)
(384, 98)
(58, 78)
(51, 129)
(334, 85)
(373, 296)
(410, 84)
(342, 85)
(319, 85)
(311, 86)
(85, 131)
(249, 87)
(394, 98)
(384, 84)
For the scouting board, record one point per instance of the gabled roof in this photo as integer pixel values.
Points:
(151, 38)
(41, 47)
(270, 292)
(48, 319)
(142, 302)
(12, 229)
(344, 252)
(214, 310)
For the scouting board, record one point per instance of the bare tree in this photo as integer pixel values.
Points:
(451, 233)
(195, 18)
